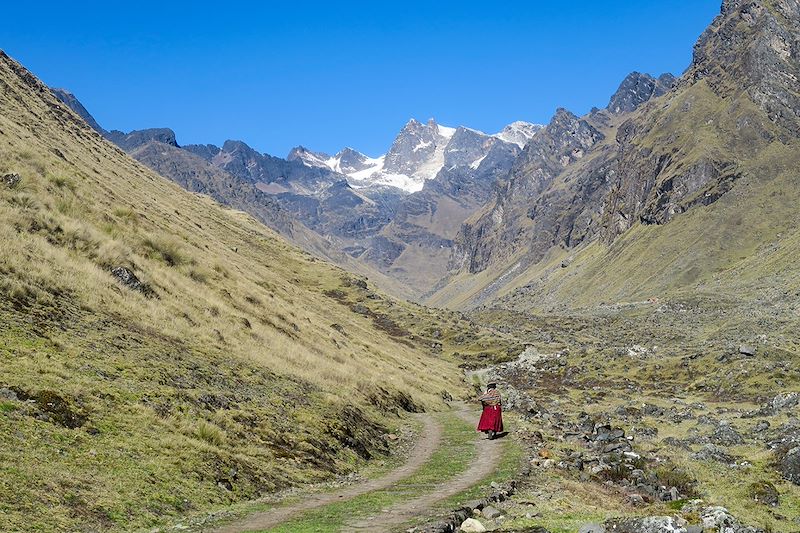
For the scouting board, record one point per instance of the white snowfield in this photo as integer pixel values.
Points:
(374, 174)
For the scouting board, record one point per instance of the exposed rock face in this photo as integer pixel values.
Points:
(499, 232)
(351, 161)
(790, 465)
(418, 147)
(519, 133)
(642, 163)
(136, 138)
(312, 159)
(638, 88)
(753, 46)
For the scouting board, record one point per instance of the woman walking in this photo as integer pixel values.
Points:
(491, 421)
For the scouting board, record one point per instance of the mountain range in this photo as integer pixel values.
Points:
(456, 217)
(379, 216)
(398, 217)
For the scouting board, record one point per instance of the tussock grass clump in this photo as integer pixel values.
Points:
(209, 433)
(167, 249)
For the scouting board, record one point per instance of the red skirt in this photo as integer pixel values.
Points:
(491, 419)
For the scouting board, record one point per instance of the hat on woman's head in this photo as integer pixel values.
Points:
(491, 386)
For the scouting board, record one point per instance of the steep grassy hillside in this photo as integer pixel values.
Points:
(160, 354)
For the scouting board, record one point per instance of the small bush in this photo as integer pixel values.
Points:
(674, 476)
(112, 254)
(81, 239)
(221, 270)
(20, 293)
(199, 275)
(764, 492)
(127, 214)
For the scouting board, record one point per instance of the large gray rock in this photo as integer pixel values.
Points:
(11, 180)
(491, 512)
(785, 401)
(789, 465)
(470, 525)
(712, 452)
(726, 435)
(748, 350)
(719, 520)
(650, 524)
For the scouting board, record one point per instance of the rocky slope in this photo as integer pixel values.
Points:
(711, 148)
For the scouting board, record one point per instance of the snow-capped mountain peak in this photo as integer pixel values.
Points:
(519, 132)
(418, 153)
(308, 158)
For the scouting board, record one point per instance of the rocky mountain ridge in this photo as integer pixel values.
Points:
(597, 178)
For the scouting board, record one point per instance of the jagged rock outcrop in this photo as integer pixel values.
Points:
(131, 141)
(505, 227)
(647, 163)
(638, 88)
(753, 46)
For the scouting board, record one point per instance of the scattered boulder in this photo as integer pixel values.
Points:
(53, 408)
(764, 492)
(762, 426)
(726, 435)
(470, 525)
(592, 528)
(360, 309)
(789, 465)
(650, 524)
(491, 512)
(719, 519)
(126, 276)
(747, 350)
(711, 452)
(783, 401)
(8, 394)
(11, 180)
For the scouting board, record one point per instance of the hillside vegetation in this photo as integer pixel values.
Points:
(160, 354)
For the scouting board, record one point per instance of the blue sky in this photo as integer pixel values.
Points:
(329, 75)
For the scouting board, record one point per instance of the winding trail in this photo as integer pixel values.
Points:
(424, 448)
(486, 461)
